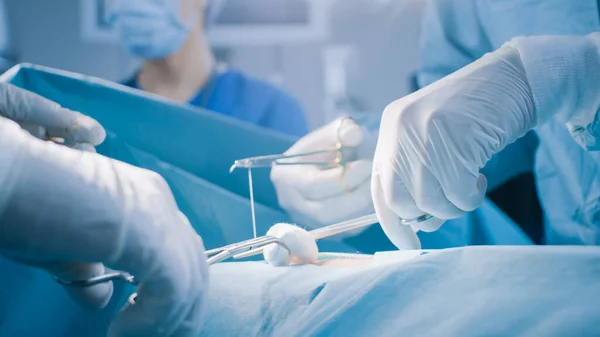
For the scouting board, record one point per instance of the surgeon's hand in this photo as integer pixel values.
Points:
(72, 213)
(433, 143)
(314, 195)
(46, 119)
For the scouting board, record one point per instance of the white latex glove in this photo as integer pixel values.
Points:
(433, 143)
(72, 213)
(46, 119)
(315, 195)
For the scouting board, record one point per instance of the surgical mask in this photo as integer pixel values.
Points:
(150, 29)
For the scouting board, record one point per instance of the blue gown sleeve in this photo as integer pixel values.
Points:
(563, 73)
(285, 115)
(452, 37)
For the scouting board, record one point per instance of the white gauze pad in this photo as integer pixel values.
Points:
(302, 246)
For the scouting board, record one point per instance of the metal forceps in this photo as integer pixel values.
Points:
(213, 256)
(281, 159)
(338, 228)
(255, 246)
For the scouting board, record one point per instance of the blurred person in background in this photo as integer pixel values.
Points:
(169, 35)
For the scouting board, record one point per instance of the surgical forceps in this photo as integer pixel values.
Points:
(213, 256)
(255, 246)
(331, 230)
(281, 159)
(248, 248)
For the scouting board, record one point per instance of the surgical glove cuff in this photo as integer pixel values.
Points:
(13, 142)
(563, 73)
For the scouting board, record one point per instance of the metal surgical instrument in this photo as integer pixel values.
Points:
(111, 276)
(255, 246)
(338, 228)
(337, 153)
(213, 256)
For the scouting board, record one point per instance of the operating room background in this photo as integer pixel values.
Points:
(358, 51)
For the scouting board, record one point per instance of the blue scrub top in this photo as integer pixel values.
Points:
(231, 93)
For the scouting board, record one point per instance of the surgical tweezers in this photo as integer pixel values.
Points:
(92, 281)
(249, 248)
(213, 256)
(331, 230)
(280, 159)
(284, 159)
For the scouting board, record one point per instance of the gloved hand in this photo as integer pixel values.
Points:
(72, 213)
(46, 119)
(433, 143)
(318, 195)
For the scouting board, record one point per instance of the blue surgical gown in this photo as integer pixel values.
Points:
(232, 93)
(568, 178)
